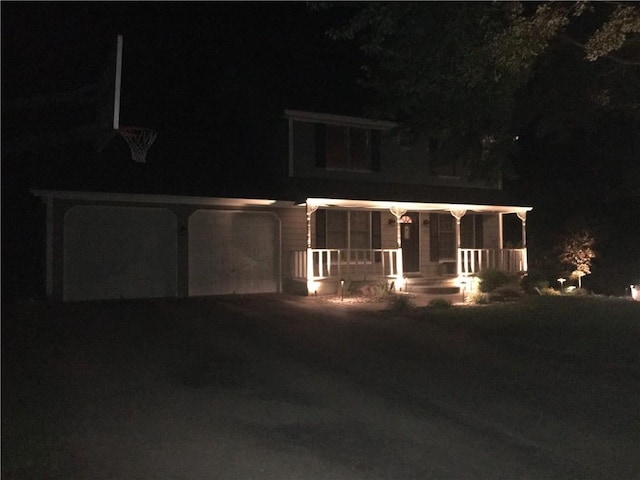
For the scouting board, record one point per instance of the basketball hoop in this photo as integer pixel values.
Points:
(139, 140)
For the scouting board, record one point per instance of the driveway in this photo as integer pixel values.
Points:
(280, 387)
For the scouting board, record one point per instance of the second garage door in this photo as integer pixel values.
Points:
(233, 252)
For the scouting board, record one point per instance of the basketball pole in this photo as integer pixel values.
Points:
(118, 80)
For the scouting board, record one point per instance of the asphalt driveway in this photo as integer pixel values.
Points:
(261, 387)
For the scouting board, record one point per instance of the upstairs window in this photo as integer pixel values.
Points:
(347, 148)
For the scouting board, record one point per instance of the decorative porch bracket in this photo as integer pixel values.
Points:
(398, 212)
(458, 214)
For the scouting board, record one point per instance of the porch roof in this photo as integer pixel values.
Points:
(413, 206)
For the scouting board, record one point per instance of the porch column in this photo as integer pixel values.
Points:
(49, 247)
(398, 213)
(458, 214)
(523, 218)
(310, 283)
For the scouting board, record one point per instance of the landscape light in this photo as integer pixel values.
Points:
(561, 281)
(312, 286)
(463, 284)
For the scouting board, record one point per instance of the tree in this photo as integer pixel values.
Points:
(576, 249)
(458, 73)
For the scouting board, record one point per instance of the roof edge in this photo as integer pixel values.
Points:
(331, 119)
(158, 199)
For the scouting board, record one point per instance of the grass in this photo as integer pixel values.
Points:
(603, 329)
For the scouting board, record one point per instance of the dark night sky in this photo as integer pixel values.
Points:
(184, 48)
(212, 78)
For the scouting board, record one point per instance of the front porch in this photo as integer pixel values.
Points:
(329, 266)
(406, 243)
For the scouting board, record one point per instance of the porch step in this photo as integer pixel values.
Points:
(433, 286)
(433, 290)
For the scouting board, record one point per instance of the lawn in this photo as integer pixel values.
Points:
(88, 389)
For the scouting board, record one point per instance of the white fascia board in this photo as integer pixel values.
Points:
(158, 199)
(342, 120)
(414, 206)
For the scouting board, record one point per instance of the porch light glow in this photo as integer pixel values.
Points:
(312, 287)
(635, 292)
(467, 282)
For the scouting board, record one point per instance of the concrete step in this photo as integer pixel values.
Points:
(433, 290)
(432, 285)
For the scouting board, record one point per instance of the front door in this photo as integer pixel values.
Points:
(410, 241)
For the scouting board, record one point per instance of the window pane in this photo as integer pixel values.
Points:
(360, 230)
(360, 149)
(336, 229)
(336, 147)
(467, 231)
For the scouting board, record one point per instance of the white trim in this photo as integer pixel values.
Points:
(49, 248)
(155, 199)
(290, 148)
(342, 120)
(414, 206)
(258, 202)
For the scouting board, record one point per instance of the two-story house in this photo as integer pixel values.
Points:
(356, 204)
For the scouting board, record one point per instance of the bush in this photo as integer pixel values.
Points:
(492, 279)
(578, 292)
(378, 291)
(548, 291)
(477, 298)
(504, 293)
(440, 303)
(534, 280)
(400, 303)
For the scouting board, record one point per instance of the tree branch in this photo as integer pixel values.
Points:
(619, 60)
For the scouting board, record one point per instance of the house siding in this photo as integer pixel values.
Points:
(398, 163)
(293, 235)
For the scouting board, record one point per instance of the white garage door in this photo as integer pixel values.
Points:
(119, 252)
(233, 252)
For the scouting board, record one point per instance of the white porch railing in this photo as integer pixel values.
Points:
(336, 263)
(508, 260)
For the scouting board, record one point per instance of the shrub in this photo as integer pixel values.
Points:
(578, 292)
(439, 303)
(548, 291)
(505, 293)
(492, 279)
(378, 291)
(534, 280)
(400, 303)
(477, 298)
